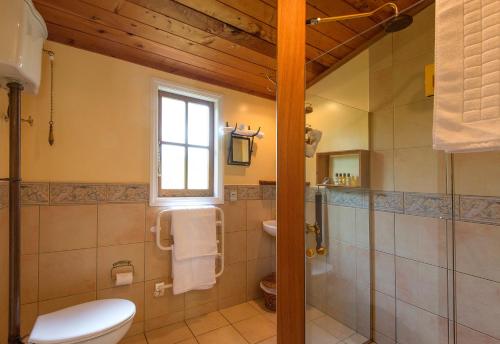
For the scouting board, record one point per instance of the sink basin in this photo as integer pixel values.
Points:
(270, 227)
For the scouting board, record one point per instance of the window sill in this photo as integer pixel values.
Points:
(184, 201)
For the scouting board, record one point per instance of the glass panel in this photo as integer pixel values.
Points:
(198, 124)
(173, 120)
(198, 168)
(172, 167)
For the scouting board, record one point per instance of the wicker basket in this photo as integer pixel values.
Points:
(268, 286)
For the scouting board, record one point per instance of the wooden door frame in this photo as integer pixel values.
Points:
(291, 16)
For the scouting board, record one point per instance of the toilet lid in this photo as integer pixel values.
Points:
(82, 322)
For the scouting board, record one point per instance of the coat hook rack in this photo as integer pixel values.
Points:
(30, 120)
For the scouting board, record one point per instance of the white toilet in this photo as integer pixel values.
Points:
(96, 322)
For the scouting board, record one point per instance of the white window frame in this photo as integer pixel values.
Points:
(218, 197)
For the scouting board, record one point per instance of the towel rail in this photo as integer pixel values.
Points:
(219, 223)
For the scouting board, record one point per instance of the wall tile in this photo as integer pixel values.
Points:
(4, 194)
(134, 293)
(256, 270)
(363, 311)
(382, 170)
(341, 299)
(478, 304)
(477, 249)
(127, 193)
(466, 335)
(259, 245)
(199, 302)
(168, 307)
(29, 313)
(477, 173)
(387, 201)
(384, 315)
(121, 224)
(236, 247)
(382, 130)
(268, 192)
(4, 267)
(232, 284)
(235, 216)
(249, 192)
(68, 227)
(422, 285)
(34, 193)
(108, 255)
(480, 209)
(61, 193)
(408, 77)
(429, 205)
(29, 278)
(362, 228)
(151, 216)
(416, 326)
(67, 273)
(341, 222)
(383, 231)
(421, 238)
(385, 275)
(53, 305)
(316, 280)
(258, 211)
(413, 124)
(158, 263)
(419, 170)
(363, 267)
(381, 89)
(342, 260)
(30, 228)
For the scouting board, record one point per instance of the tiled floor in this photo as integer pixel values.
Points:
(247, 323)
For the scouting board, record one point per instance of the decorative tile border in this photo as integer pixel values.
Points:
(467, 208)
(387, 201)
(428, 205)
(34, 193)
(480, 209)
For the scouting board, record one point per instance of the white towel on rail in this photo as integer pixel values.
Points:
(467, 75)
(195, 249)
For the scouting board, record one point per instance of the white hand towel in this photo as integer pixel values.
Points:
(467, 76)
(192, 274)
(194, 232)
(195, 249)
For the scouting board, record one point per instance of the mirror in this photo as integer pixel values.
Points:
(240, 151)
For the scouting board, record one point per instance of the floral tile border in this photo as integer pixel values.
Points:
(34, 193)
(348, 198)
(480, 209)
(268, 192)
(125, 193)
(75, 193)
(389, 201)
(428, 205)
(249, 192)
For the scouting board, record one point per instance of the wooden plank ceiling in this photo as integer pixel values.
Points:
(231, 43)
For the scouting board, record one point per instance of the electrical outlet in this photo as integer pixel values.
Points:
(233, 195)
(159, 289)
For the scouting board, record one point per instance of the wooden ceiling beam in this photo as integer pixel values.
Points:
(139, 29)
(92, 28)
(102, 46)
(245, 15)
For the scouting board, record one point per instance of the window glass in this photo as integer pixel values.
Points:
(198, 124)
(173, 120)
(172, 167)
(198, 168)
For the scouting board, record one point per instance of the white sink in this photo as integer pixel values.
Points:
(270, 227)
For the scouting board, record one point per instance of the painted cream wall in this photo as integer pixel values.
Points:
(102, 122)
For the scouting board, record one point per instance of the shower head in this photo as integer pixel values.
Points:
(398, 23)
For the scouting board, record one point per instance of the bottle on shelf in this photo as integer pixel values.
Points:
(336, 180)
(348, 180)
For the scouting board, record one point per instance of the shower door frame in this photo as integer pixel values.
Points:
(291, 16)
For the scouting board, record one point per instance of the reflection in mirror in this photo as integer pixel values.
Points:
(240, 151)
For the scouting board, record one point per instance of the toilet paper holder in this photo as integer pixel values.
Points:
(126, 265)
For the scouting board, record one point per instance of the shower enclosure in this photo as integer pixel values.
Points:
(411, 252)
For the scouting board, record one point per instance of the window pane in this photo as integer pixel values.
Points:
(198, 124)
(173, 120)
(198, 168)
(172, 167)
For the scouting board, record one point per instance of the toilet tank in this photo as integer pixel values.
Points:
(22, 34)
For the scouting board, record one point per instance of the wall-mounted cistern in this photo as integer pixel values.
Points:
(397, 22)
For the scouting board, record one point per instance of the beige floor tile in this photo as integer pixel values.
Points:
(239, 312)
(272, 340)
(256, 329)
(189, 341)
(335, 328)
(356, 339)
(317, 335)
(312, 313)
(224, 335)
(206, 323)
(137, 339)
(172, 334)
(258, 304)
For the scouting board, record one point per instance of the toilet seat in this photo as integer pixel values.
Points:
(82, 322)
